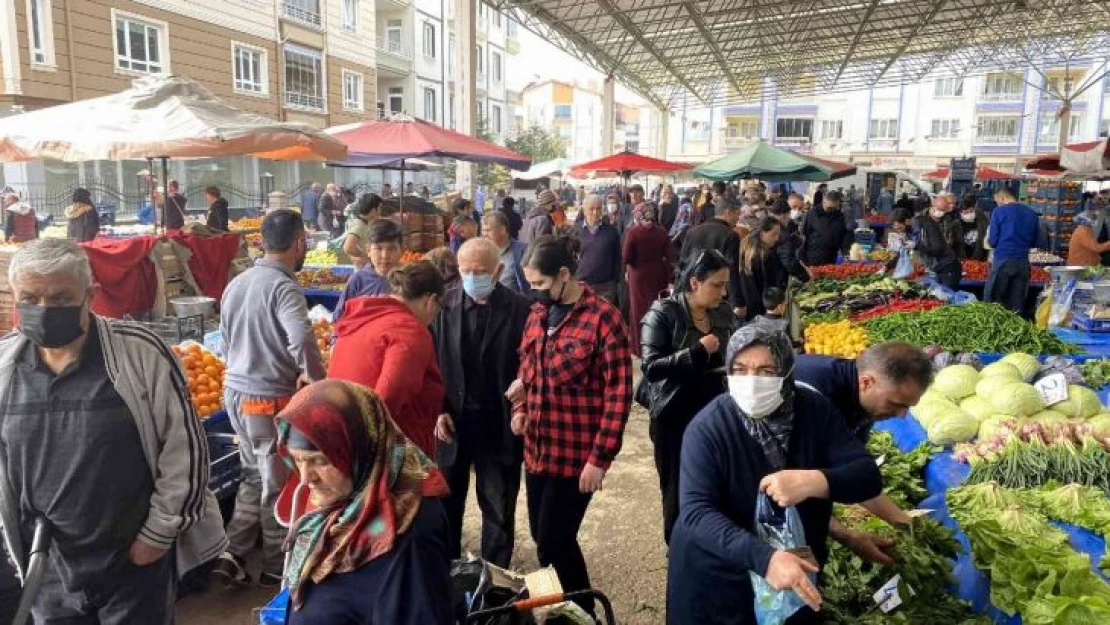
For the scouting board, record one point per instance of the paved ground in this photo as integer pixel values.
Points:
(621, 536)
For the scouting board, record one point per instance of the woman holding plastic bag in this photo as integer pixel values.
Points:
(764, 438)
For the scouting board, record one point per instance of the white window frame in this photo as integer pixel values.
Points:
(496, 62)
(430, 111)
(353, 99)
(163, 30)
(944, 128)
(885, 129)
(451, 55)
(992, 81)
(951, 87)
(480, 62)
(428, 39)
(832, 129)
(263, 78)
(798, 122)
(984, 135)
(42, 56)
(396, 46)
(1049, 130)
(348, 15)
(322, 79)
(495, 118)
(390, 94)
(451, 111)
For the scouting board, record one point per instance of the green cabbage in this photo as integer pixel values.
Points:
(953, 427)
(1100, 424)
(1026, 364)
(956, 381)
(935, 408)
(1081, 402)
(1004, 369)
(977, 407)
(1048, 416)
(989, 384)
(1016, 398)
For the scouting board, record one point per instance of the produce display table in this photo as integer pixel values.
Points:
(328, 298)
(942, 473)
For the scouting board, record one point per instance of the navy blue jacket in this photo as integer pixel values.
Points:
(713, 546)
(410, 585)
(363, 282)
(838, 380)
(1013, 232)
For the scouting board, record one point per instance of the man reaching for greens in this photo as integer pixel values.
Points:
(884, 382)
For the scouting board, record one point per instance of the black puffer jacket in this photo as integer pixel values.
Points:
(788, 249)
(676, 366)
(825, 233)
(940, 242)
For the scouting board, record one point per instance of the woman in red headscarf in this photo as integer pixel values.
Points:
(373, 547)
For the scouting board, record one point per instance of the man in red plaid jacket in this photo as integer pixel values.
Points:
(572, 405)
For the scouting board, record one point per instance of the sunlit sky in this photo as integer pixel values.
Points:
(540, 60)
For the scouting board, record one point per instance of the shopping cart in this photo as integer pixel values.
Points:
(526, 605)
(31, 574)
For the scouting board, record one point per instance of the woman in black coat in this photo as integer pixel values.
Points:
(682, 344)
(760, 266)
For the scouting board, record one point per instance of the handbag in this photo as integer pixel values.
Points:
(642, 393)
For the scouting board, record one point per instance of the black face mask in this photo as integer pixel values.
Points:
(544, 296)
(50, 326)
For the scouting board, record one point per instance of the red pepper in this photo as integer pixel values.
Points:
(896, 305)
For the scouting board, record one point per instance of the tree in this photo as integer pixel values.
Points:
(486, 175)
(539, 144)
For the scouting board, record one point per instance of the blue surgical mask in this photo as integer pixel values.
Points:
(477, 285)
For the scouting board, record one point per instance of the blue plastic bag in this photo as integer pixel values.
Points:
(782, 529)
(904, 268)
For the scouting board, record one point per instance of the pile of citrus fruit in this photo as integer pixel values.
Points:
(411, 256)
(323, 330)
(205, 374)
(246, 223)
(842, 339)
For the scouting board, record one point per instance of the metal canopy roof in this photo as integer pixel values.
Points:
(733, 51)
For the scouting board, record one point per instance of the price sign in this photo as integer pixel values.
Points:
(1053, 388)
(919, 512)
(888, 597)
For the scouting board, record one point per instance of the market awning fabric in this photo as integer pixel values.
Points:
(159, 116)
(369, 161)
(626, 163)
(772, 164)
(402, 136)
(554, 167)
(1091, 157)
(125, 274)
(983, 173)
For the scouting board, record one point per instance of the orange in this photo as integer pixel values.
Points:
(209, 360)
(203, 379)
(195, 349)
(211, 371)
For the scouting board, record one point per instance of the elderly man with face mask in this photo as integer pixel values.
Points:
(476, 344)
(941, 241)
(99, 441)
(599, 263)
(765, 436)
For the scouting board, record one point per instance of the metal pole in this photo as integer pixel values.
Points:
(152, 189)
(165, 191)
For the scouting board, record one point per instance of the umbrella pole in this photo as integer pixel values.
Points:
(165, 191)
(151, 190)
(401, 203)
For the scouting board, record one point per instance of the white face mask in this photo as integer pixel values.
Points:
(795, 214)
(968, 217)
(612, 206)
(756, 395)
(936, 213)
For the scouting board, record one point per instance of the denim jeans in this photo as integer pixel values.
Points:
(1007, 284)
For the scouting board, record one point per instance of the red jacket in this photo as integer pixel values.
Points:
(381, 344)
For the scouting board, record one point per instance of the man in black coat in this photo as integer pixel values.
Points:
(940, 241)
(826, 232)
(790, 241)
(718, 233)
(218, 217)
(476, 343)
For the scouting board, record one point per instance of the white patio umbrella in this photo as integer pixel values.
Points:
(161, 116)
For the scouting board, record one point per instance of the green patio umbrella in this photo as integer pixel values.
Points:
(772, 164)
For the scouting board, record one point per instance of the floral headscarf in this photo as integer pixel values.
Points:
(350, 425)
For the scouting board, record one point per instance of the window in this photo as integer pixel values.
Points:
(945, 129)
(451, 111)
(40, 32)
(451, 55)
(479, 62)
(948, 88)
(1049, 131)
(396, 99)
(139, 45)
(562, 111)
(429, 40)
(393, 36)
(1104, 128)
(742, 129)
(832, 129)
(304, 78)
(997, 129)
(1003, 87)
(511, 28)
(303, 11)
(381, 110)
(348, 15)
(495, 119)
(481, 112)
(883, 129)
(429, 104)
(497, 19)
(352, 90)
(495, 66)
(249, 69)
(794, 128)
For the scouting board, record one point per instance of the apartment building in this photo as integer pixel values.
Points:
(416, 62)
(1001, 118)
(573, 111)
(293, 60)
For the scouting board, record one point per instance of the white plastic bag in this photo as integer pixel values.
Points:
(319, 313)
(782, 529)
(904, 268)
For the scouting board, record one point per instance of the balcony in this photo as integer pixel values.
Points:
(1006, 140)
(1001, 96)
(304, 12)
(391, 5)
(304, 101)
(394, 57)
(735, 143)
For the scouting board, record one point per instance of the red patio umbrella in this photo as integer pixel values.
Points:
(401, 137)
(983, 173)
(626, 163)
(1087, 157)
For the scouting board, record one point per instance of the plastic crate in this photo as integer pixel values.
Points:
(1080, 321)
(225, 469)
(1058, 193)
(274, 612)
